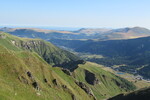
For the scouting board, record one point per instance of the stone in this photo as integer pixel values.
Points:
(35, 85)
(55, 82)
(66, 71)
(91, 78)
(84, 87)
(45, 80)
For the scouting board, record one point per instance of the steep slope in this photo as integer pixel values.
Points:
(50, 53)
(143, 94)
(102, 83)
(25, 75)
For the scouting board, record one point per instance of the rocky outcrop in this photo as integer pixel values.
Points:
(45, 80)
(64, 86)
(55, 82)
(2, 36)
(91, 78)
(118, 84)
(70, 65)
(85, 88)
(66, 71)
(35, 85)
(29, 74)
(30, 44)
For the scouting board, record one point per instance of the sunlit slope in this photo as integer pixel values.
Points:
(105, 84)
(50, 53)
(25, 75)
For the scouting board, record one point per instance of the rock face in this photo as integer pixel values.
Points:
(30, 44)
(29, 74)
(91, 78)
(85, 88)
(118, 84)
(45, 80)
(35, 85)
(66, 71)
(55, 82)
(71, 65)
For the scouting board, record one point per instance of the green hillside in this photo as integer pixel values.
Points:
(25, 75)
(103, 84)
(143, 94)
(50, 53)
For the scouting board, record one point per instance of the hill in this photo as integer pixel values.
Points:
(50, 53)
(84, 33)
(126, 33)
(143, 94)
(26, 75)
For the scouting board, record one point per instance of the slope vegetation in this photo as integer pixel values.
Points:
(25, 75)
(143, 94)
(50, 53)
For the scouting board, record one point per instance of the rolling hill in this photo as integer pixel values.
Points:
(126, 33)
(84, 33)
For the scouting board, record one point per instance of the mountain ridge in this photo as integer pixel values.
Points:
(84, 33)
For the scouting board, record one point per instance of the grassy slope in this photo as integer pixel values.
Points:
(107, 86)
(16, 85)
(13, 87)
(52, 54)
(138, 83)
(143, 94)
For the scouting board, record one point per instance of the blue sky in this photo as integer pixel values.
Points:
(76, 13)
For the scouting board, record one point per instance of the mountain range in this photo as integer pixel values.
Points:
(45, 71)
(84, 33)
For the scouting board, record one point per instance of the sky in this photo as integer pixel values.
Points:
(76, 13)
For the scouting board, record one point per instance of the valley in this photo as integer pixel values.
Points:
(131, 55)
(26, 74)
(90, 66)
(75, 50)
